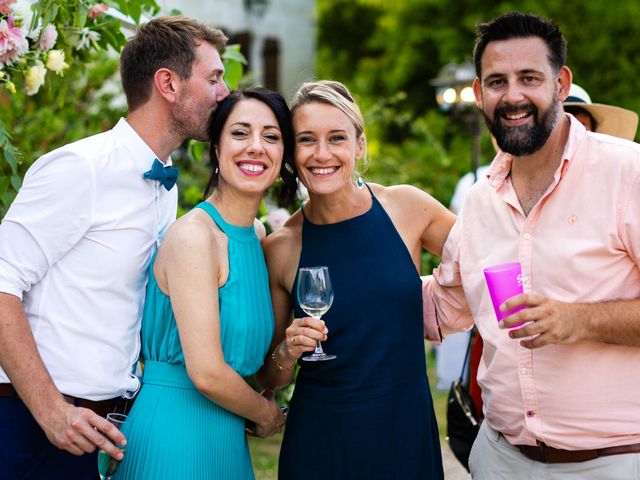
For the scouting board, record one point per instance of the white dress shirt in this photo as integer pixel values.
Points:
(75, 246)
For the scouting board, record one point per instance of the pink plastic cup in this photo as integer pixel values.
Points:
(504, 281)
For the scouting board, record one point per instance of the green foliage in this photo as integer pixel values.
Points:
(233, 65)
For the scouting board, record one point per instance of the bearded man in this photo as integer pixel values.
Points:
(562, 393)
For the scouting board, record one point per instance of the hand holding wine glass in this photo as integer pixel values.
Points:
(107, 465)
(315, 296)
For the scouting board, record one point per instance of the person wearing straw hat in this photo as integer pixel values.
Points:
(598, 117)
(562, 392)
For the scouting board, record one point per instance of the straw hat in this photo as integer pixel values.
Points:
(611, 120)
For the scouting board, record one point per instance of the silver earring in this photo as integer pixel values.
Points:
(359, 183)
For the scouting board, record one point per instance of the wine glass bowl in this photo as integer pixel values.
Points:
(315, 296)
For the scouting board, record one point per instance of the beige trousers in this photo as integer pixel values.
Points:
(493, 458)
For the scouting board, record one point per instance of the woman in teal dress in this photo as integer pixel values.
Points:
(208, 319)
(367, 413)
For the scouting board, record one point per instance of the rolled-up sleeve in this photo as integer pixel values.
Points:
(445, 308)
(50, 214)
(630, 217)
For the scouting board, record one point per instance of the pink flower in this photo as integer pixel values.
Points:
(96, 10)
(4, 6)
(48, 38)
(13, 41)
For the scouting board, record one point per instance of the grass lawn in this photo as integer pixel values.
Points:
(265, 452)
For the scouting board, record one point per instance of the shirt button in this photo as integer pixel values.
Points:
(524, 371)
(526, 236)
(530, 413)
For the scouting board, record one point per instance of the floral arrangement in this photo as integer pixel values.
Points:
(31, 44)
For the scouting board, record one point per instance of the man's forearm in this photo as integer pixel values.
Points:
(21, 361)
(616, 322)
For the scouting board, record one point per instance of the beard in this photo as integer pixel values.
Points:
(190, 119)
(524, 139)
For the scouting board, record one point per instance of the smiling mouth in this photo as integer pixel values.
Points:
(252, 168)
(516, 116)
(323, 171)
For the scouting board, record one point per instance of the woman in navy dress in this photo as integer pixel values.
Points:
(368, 413)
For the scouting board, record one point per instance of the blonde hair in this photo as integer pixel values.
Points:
(338, 95)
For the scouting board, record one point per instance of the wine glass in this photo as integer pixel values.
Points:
(107, 465)
(315, 297)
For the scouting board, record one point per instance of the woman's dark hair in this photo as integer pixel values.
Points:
(288, 173)
(521, 25)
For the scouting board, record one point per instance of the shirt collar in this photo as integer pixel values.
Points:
(136, 145)
(501, 165)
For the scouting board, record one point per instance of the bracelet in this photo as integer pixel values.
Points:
(275, 356)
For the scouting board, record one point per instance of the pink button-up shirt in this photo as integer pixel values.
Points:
(580, 243)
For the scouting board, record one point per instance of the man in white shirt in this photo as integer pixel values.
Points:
(75, 247)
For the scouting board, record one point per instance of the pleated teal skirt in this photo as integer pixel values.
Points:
(175, 432)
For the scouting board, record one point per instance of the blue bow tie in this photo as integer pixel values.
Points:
(167, 176)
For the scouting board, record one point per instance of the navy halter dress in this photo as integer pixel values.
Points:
(368, 414)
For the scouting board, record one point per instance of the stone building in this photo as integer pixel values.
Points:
(277, 37)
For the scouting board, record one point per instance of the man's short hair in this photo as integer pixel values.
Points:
(164, 42)
(521, 25)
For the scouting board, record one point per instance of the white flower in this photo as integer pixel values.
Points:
(34, 78)
(55, 61)
(48, 38)
(276, 218)
(22, 10)
(87, 38)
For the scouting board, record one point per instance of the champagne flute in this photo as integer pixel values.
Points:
(108, 465)
(315, 297)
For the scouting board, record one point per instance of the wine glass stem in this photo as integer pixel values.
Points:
(318, 350)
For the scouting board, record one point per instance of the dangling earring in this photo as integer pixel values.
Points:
(359, 183)
(215, 171)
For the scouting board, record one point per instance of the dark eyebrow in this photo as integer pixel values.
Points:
(529, 71)
(526, 71)
(493, 76)
(248, 125)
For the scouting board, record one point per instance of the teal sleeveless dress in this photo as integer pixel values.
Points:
(176, 432)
